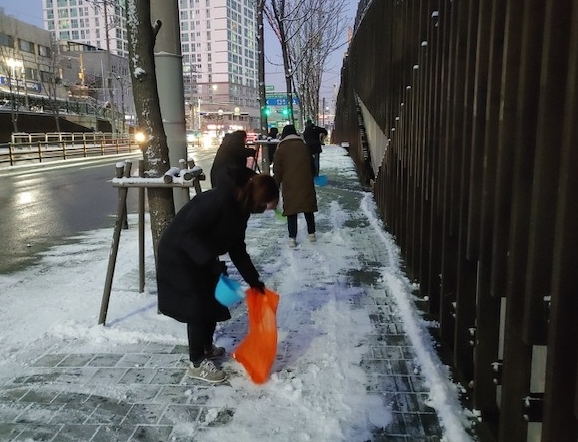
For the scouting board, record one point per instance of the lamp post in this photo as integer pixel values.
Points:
(220, 126)
(123, 116)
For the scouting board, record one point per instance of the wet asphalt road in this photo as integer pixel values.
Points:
(44, 206)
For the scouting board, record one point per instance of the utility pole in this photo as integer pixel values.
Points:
(261, 51)
(170, 84)
(109, 69)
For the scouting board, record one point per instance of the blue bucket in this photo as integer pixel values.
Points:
(320, 180)
(228, 292)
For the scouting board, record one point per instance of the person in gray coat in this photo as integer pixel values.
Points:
(293, 170)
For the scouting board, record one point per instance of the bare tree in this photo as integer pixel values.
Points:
(315, 40)
(51, 80)
(8, 59)
(308, 32)
(141, 41)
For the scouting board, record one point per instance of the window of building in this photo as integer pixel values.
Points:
(6, 40)
(185, 48)
(74, 12)
(74, 23)
(185, 37)
(64, 35)
(49, 4)
(45, 76)
(75, 35)
(63, 13)
(44, 51)
(26, 46)
(62, 3)
(51, 25)
(184, 15)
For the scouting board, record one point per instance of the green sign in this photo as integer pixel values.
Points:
(269, 88)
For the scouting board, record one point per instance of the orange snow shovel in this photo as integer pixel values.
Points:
(257, 350)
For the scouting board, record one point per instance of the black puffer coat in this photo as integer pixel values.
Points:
(209, 225)
(231, 153)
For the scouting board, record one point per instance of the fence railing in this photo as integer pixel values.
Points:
(471, 113)
(38, 148)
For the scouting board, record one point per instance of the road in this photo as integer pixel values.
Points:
(44, 206)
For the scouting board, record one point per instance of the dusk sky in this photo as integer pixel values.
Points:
(30, 11)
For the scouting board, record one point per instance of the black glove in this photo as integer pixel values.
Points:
(259, 286)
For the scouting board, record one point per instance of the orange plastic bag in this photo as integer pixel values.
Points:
(257, 351)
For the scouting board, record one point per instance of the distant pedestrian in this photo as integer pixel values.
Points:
(272, 135)
(231, 153)
(293, 171)
(313, 136)
(213, 223)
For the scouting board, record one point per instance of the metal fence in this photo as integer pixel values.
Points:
(27, 148)
(468, 113)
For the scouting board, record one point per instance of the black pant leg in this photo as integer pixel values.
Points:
(292, 225)
(200, 335)
(310, 220)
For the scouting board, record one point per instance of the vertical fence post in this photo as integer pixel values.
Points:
(141, 228)
(120, 216)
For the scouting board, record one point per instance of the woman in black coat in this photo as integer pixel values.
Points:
(231, 153)
(211, 224)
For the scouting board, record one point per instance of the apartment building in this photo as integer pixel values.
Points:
(218, 44)
(26, 63)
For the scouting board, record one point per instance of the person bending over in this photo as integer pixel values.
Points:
(211, 224)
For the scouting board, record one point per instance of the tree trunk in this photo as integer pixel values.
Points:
(141, 40)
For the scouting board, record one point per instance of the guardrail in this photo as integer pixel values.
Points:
(40, 151)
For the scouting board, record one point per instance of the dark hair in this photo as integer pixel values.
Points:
(288, 130)
(259, 191)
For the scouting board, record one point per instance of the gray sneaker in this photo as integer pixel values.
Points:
(207, 372)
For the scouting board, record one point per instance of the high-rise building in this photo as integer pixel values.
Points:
(99, 23)
(220, 62)
(218, 44)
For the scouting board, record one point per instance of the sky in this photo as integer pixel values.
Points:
(314, 321)
(30, 11)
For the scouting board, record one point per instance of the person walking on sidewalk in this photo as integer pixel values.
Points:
(313, 136)
(293, 172)
(232, 152)
(188, 268)
(272, 135)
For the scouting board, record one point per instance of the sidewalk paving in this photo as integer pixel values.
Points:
(65, 391)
